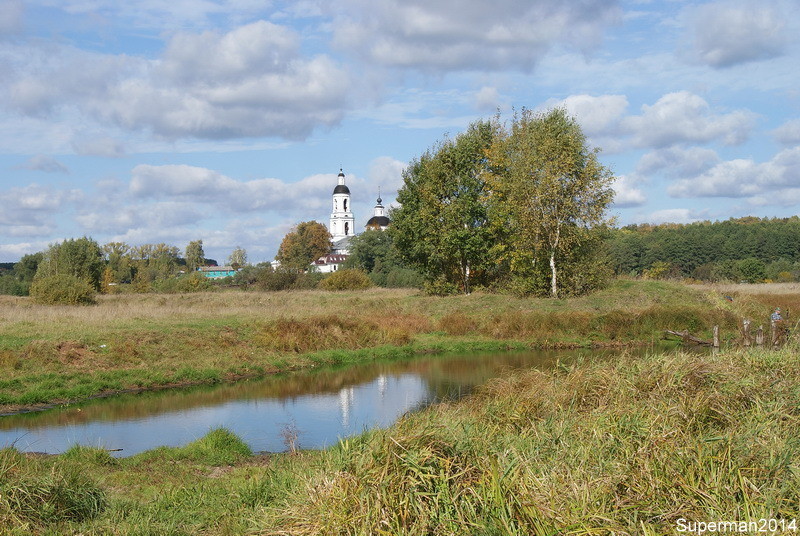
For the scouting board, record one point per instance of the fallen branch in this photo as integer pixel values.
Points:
(686, 337)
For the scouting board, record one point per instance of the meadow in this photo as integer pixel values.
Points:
(61, 354)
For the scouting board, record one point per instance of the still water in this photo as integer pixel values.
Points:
(321, 406)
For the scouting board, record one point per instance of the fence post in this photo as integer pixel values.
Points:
(746, 332)
(760, 336)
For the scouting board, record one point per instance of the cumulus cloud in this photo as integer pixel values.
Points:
(683, 117)
(197, 184)
(248, 82)
(745, 178)
(627, 193)
(677, 161)
(673, 215)
(45, 163)
(732, 32)
(788, 133)
(454, 35)
(385, 173)
(28, 211)
(597, 115)
(487, 99)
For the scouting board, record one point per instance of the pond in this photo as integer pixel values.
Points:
(318, 406)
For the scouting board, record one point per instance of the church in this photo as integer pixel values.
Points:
(342, 226)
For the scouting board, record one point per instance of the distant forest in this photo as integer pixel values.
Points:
(744, 249)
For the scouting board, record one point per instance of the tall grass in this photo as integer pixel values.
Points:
(31, 497)
(612, 448)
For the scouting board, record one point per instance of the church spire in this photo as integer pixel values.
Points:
(342, 221)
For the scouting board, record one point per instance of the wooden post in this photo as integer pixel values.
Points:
(716, 337)
(746, 332)
(760, 336)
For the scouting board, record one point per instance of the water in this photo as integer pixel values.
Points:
(321, 406)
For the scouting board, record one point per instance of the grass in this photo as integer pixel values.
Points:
(614, 447)
(59, 354)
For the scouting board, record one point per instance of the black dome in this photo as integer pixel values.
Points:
(341, 189)
(379, 221)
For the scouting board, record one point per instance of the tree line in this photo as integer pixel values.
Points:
(739, 249)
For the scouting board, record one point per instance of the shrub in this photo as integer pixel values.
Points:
(346, 280)
(62, 289)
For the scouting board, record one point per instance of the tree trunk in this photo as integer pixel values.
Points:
(553, 283)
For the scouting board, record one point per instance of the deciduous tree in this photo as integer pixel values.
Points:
(195, 256)
(548, 187)
(441, 226)
(307, 242)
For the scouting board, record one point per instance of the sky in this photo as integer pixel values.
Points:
(228, 121)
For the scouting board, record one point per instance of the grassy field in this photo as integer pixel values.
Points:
(58, 354)
(625, 447)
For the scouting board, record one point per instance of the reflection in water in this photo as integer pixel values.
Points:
(324, 405)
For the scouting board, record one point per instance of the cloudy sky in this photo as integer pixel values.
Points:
(228, 120)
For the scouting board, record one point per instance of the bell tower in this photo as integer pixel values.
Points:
(342, 221)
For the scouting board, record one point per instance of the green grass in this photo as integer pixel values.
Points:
(627, 446)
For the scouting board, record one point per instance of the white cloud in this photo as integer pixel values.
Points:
(45, 163)
(683, 117)
(731, 32)
(677, 161)
(197, 184)
(453, 35)
(597, 115)
(763, 183)
(487, 99)
(29, 211)
(673, 215)
(251, 81)
(627, 193)
(788, 133)
(387, 173)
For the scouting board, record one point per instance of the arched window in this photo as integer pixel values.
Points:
(346, 228)
(345, 206)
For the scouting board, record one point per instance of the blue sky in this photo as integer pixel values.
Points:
(228, 120)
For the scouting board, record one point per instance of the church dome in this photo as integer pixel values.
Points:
(341, 189)
(378, 221)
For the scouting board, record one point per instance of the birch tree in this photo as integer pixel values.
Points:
(548, 187)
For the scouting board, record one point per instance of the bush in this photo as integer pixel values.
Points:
(346, 280)
(62, 289)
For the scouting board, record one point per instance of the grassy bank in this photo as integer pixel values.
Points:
(624, 447)
(57, 354)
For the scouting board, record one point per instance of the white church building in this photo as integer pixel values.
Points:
(342, 226)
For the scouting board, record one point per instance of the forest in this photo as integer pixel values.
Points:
(741, 249)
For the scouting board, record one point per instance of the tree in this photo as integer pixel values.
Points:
(307, 242)
(238, 258)
(547, 190)
(441, 226)
(119, 260)
(195, 256)
(80, 258)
